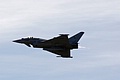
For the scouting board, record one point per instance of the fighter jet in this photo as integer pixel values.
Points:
(60, 45)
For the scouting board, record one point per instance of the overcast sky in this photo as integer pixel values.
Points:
(99, 59)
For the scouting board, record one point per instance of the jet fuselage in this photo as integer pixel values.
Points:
(60, 45)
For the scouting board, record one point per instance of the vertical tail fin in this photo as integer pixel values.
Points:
(74, 39)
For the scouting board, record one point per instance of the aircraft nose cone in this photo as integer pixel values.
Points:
(18, 41)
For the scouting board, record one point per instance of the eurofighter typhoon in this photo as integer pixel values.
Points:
(60, 45)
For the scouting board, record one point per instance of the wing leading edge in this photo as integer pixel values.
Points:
(59, 46)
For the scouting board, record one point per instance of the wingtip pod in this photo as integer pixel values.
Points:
(63, 34)
(65, 56)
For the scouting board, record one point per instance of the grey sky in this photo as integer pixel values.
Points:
(99, 60)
